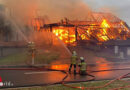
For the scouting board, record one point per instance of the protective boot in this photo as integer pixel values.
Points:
(69, 70)
(74, 72)
(83, 73)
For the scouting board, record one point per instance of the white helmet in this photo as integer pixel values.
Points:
(81, 58)
(29, 42)
(74, 53)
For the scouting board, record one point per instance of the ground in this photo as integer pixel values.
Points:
(114, 85)
(29, 78)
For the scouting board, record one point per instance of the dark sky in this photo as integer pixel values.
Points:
(119, 7)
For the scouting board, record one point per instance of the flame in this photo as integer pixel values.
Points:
(68, 36)
(60, 67)
(105, 38)
(65, 35)
(105, 31)
(104, 24)
(36, 23)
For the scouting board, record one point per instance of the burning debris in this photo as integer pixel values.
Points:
(103, 27)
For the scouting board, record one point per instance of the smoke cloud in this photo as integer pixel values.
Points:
(24, 10)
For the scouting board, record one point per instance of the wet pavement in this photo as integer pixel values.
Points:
(104, 71)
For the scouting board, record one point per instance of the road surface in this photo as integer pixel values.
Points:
(23, 78)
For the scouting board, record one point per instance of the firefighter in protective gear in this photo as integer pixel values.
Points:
(74, 59)
(31, 47)
(82, 66)
(32, 50)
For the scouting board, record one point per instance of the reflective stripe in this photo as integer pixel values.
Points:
(83, 66)
(73, 59)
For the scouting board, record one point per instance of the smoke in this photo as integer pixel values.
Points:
(21, 10)
(25, 10)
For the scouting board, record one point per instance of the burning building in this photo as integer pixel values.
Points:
(101, 28)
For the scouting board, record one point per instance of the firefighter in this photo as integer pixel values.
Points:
(32, 50)
(82, 66)
(74, 59)
(31, 47)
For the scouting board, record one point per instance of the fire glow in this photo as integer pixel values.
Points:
(105, 27)
(102, 34)
(65, 35)
(60, 67)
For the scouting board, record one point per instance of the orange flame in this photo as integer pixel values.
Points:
(65, 35)
(104, 32)
(60, 67)
(104, 24)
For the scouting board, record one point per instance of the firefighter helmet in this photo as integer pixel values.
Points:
(74, 53)
(82, 58)
(29, 42)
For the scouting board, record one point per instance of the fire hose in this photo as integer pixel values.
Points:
(97, 86)
(119, 78)
(63, 80)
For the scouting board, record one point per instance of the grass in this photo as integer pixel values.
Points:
(46, 57)
(23, 57)
(18, 58)
(115, 84)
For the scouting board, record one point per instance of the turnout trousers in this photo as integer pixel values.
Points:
(72, 65)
